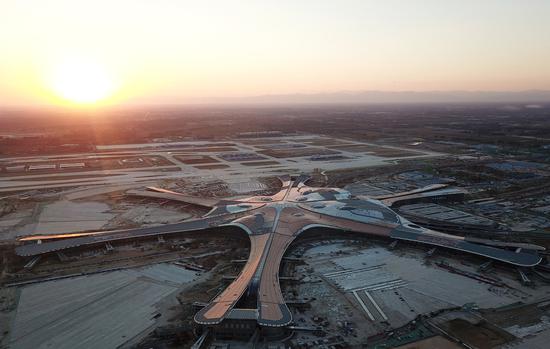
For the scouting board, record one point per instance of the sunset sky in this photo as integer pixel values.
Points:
(137, 51)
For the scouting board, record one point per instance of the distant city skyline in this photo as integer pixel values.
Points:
(63, 52)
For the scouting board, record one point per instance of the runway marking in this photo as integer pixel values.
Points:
(376, 306)
(369, 314)
(382, 285)
(351, 271)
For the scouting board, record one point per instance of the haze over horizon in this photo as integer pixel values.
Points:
(65, 52)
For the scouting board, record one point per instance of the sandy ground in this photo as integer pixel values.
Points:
(68, 216)
(13, 220)
(396, 286)
(537, 340)
(80, 193)
(430, 343)
(151, 215)
(96, 311)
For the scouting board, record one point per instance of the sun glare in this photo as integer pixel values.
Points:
(82, 82)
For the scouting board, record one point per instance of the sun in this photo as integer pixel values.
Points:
(82, 81)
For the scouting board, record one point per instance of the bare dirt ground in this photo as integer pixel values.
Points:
(481, 335)
(431, 343)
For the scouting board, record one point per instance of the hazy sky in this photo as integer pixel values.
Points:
(176, 51)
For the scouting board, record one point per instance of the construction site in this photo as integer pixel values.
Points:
(258, 243)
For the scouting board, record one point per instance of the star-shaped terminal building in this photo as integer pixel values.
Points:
(272, 223)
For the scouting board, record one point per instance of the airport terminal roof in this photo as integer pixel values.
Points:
(273, 223)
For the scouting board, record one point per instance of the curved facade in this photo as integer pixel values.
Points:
(272, 224)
